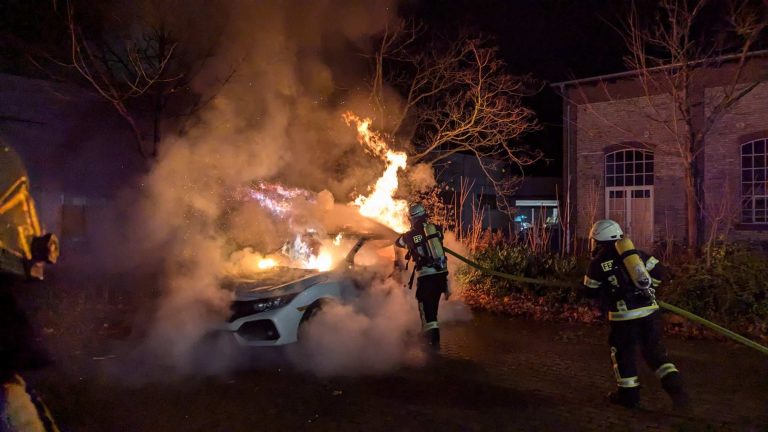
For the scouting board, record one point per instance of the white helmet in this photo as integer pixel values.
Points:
(605, 230)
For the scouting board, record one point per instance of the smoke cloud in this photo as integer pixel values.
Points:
(373, 333)
(295, 67)
(451, 242)
(292, 68)
(421, 177)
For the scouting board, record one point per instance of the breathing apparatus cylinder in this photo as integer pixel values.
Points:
(634, 266)
(435, 246)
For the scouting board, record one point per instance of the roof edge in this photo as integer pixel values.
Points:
(636, 71)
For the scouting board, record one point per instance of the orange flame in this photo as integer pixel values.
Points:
(380, 204)
(322, 261)
(267, 263)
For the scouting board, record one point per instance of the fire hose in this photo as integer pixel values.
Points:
(674, 309)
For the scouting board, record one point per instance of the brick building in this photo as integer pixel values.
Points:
(622, 159)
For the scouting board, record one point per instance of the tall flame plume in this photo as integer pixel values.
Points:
(381, 204)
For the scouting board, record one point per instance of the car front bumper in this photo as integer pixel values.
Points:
(269, 328)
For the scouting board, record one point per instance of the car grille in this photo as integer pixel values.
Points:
(259, 330)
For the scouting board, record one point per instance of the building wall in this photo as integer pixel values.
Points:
(747, 120)
(607, 126)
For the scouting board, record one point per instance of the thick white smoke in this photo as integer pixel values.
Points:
(296, 68)
(451, 242)
(421, 177)
(380, 329)
(373, 333)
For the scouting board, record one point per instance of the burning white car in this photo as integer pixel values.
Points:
(287, 288)
(270, 307)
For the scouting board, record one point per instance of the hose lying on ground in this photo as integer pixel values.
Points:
(682, 312)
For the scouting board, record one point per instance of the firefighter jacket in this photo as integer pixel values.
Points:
(608, 280)
(424, 242)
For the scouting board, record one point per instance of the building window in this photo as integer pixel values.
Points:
(629, 167)
(754, 175)
(629, 193)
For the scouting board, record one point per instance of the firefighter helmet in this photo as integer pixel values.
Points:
(606, 230)
(416, 211)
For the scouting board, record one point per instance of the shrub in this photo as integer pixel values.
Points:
(732, 290)
(503, 295)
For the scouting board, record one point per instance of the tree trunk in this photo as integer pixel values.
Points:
(691, 204)
(134, 128)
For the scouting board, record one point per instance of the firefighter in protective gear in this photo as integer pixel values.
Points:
(424, 242)
(24, 250)
(625, 280)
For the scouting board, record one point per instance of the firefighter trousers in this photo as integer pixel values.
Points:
(645, 333)
(429, 288)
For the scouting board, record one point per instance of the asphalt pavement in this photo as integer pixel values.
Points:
(494, 373)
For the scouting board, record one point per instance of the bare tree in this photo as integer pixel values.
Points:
(671, 58)
(720, 215)
(592, 198)
(141, 71)
(121, 74)
(456, 97)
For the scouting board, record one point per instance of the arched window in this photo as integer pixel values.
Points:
(754, 196)
(629, 193)
(630, 167)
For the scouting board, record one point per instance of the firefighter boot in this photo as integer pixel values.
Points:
(626, 397)
(432, 338)
(673, 385)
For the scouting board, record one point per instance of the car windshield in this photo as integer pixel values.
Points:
(355, 251)
(301, 256)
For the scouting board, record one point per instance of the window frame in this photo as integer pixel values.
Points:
(749, 190)
(647, 188)
(646, 175)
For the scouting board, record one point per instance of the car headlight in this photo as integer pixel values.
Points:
(245, 308)
(271, 303)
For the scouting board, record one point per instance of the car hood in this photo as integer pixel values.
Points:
(281, 281)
